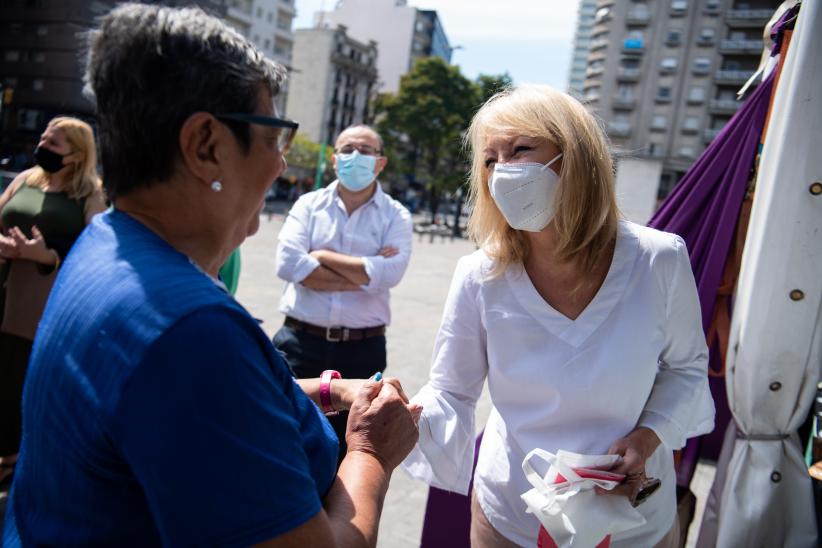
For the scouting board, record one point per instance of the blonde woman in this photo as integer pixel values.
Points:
(586, 326)
(42, 212)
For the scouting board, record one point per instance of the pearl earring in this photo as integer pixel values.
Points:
(216, 186)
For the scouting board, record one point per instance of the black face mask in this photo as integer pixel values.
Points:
(48, 159)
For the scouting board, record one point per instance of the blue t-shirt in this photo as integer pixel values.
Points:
(156, 411)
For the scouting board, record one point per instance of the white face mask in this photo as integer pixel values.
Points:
(525, 193)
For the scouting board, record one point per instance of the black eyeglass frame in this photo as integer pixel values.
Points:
(260, 120)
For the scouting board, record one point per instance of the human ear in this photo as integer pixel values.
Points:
(200, 139)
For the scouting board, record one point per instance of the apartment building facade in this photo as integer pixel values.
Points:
(333, 82)
(582, 41)
(664, 74)
(402, 33)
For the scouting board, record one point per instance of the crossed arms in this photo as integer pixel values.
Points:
(341, 272)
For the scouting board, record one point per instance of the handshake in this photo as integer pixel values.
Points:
(381, 421)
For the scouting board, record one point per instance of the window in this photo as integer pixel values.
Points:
(625, 91)
(674, 37)
(691, 123)
(266, 44)
(603, 14)
(702, 65)
(256, 38)
(659, 121)
(696, 95)
(712, 6)
(259, 13)
(12, 55)
(42, 30)
(270, 17)
(37, 84)
(686, 152)
(679, 6)
(39, 57)
(668, 64)
(706, 37)
(629, 62)
(663, 93)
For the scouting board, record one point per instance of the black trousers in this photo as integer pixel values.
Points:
(309, 355)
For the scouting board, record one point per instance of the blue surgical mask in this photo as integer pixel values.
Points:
(355, 170)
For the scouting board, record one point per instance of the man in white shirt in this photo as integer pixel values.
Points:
(341, 249)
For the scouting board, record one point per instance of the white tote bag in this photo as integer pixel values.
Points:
(564, 500)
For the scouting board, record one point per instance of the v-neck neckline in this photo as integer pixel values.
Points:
(575, 332)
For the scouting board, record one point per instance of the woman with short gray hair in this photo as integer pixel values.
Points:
(156, 409)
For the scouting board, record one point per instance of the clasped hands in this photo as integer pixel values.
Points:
(16, 245)
(381, 421)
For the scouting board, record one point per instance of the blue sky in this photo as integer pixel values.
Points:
(531, 39)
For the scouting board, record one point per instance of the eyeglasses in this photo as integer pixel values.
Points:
(287, 129)
(366, 150)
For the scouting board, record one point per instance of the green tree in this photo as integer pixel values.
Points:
(492, 84)
(304, 152)
(424, 122)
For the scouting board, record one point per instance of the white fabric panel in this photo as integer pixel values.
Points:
(774, 352)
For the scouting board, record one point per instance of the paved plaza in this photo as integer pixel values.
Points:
(416, 309)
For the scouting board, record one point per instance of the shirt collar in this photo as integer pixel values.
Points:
(378, 198)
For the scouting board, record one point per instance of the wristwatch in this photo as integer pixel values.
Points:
(325, 391)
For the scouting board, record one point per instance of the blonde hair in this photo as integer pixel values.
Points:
(83, 180)
(586, 212)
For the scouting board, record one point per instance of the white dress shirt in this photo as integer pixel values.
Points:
(318, 220)
(636, 356)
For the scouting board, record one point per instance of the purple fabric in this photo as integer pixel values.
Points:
(447, 521)
(785, 21)
(704, 208)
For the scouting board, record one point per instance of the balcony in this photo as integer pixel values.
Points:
(594, 71)
(623, 103)
(723, 106)
(748, 18)
(710, 134)
(637, 17)
(732, 76)
(619, 129)
(599, 43)
(740, 46)
(625, 74)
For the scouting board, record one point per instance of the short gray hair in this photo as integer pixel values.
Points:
(149, 68)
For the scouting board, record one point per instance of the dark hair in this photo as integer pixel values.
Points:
(151, 67)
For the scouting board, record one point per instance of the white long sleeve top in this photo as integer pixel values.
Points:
(319, 220)
(636, 356)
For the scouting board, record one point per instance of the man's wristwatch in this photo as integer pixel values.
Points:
(325, 391)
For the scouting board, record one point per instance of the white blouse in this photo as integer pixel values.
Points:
(636, 356)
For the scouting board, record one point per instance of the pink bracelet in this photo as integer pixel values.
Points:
(325, 391)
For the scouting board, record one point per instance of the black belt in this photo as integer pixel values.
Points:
(335, 334)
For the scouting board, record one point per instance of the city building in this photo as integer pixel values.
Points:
(268, 24)
(41, 61)
(582, 40)
(333, 80)
(41, 66)
(664, 74)
(403, 34)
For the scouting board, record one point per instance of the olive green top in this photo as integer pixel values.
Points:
(60, 219)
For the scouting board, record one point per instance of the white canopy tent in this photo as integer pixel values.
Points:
(775, 349)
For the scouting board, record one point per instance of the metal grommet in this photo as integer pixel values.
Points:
(776, 477)
(774, 386)
(815, 188)
(797, 295)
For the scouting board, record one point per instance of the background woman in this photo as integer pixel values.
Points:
(587, 327)
(157, 411)
(42, 212)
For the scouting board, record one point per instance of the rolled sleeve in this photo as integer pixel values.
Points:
(385, 273)
(680, 405)
(294, 263)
